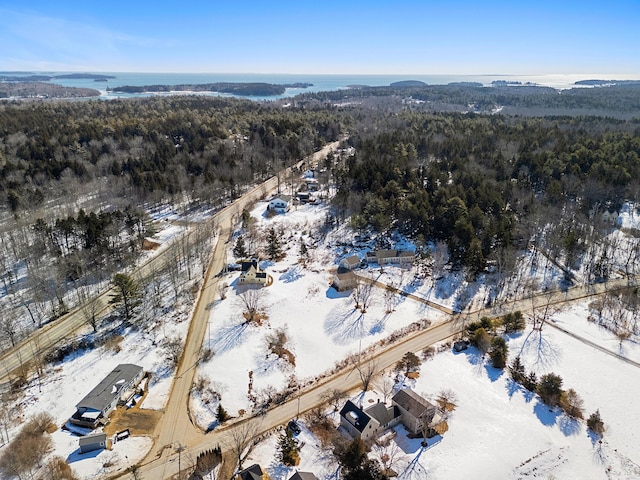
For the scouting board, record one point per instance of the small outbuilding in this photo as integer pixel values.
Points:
(89, 443)
(350, 263)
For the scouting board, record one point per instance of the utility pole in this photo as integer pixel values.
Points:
(180, 448)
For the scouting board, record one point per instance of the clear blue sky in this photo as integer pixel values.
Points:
(404, 37)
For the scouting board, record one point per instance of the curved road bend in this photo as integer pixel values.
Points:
(162, 462)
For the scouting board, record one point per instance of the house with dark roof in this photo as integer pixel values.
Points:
(367, 424)
(117, 387)
(303, 476)
(416, 412)
(254, 472)
(250, 273)
(280, 203)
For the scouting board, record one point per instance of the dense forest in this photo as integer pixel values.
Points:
(480, 183)
(78, 178)
(149, 149)
(621, 101)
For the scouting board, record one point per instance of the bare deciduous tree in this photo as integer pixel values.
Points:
(335, 398)
(385, 383)
(251, 300)
(363, 293)
(243, 439)
(366, 372)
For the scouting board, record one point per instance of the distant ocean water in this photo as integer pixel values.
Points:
(320, 82)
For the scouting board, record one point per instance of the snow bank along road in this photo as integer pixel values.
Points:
(46, 338)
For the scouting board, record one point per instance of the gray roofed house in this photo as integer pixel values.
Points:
(89, 443)
(387, 417)
(280, 203)
(118, 386)
(303, 476)
(415, 410)
(384, 257)
(345, 281)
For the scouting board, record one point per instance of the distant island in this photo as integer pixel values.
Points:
(511, 83)
(606, 83)
(408, 83)
(243, 89)
(34, 89)
(45, 78)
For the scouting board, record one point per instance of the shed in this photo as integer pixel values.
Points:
(350, 263)
(96, 441)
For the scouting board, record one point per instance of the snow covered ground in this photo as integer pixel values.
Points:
(500, 430)
(321, 324)
(497, 431)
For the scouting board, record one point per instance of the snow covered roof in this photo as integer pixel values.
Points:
(109, 388)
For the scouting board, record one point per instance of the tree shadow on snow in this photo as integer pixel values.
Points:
(547, 416)
(228, 337)
(344, 327)
(291, 275)
(569, 426)
(465, 295)
(493, 373)
(447, 285)
(513, 387)
(378, 327)
(544, 354)
(333, 293)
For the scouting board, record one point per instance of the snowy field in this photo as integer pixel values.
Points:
(500, 430)
(322, 326)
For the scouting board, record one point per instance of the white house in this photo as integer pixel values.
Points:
(349, 263)
(280, 203)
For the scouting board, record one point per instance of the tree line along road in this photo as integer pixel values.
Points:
(44, 339)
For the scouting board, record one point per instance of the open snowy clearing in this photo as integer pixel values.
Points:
(500, 430)
(322, 326)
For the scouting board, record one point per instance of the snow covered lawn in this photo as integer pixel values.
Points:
(500, 430)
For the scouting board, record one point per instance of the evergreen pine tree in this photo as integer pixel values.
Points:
(531, 382)
(289, 449)
(274, 247)
(499, 352)
(595, 423)
(221, 414)
(517, 370)
(239, 250)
